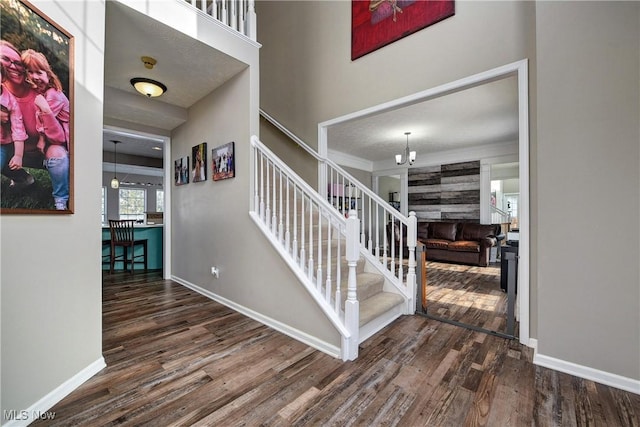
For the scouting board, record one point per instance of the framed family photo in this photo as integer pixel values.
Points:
(36, 151)
(199, 162)
(181, 171)
(223, 162)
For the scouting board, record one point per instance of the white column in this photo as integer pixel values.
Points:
(485, 194)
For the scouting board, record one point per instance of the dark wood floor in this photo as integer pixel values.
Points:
(175, 358)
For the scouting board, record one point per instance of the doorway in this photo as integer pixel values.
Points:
(141, 166)
(520, 71)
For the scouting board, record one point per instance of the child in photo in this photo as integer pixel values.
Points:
(13, 132)
(53, 114)
(47, 83)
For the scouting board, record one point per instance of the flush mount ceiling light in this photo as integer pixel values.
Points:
(409, 156)
(147, 87)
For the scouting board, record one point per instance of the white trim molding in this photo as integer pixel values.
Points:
(311, 341)
(40, 409)
(587, 373)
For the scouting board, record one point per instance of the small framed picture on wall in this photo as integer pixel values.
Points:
(181, 171)
(199, 159)
(223, 161)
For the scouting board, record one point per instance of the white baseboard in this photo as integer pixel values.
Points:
(602, 377)
(41, 407)
(310, 340)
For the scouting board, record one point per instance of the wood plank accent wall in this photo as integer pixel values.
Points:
(446, 192)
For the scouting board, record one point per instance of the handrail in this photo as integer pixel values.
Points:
(377, 235)
(290, 134)
(311, 236)
(503, 217)
(499, 211)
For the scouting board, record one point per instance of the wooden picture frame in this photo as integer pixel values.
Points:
(37, 59)
(377, 23)
(223, 161)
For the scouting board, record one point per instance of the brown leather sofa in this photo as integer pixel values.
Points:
(458, 242)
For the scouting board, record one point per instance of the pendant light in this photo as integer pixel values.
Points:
(114, 182)
(409, 156)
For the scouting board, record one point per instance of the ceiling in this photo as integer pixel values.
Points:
(190, 69)
(481, 115)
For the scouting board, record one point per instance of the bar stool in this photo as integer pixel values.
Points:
(122, 235)
(106, 259)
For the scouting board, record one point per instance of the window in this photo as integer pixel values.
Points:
(104, 205)
(132, 203)
(159, 200)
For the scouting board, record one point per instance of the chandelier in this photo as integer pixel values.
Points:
(409, 156)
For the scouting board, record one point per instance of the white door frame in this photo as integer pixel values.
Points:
(167, 184)
(520, 70)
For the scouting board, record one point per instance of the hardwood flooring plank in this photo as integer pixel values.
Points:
(176, 358)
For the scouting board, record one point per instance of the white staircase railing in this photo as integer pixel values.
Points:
(311, 237)
(240, 15)
(500, 217)
(387, 237)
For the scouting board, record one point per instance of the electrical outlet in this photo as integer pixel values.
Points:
(215, 272)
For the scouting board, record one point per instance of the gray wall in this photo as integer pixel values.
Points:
(583, 65)
(51, 288)
(588, 106)
(212, 227)
(307, 75)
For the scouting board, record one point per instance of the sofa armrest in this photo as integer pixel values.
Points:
(488, 242)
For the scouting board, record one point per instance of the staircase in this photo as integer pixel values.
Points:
(360, 289)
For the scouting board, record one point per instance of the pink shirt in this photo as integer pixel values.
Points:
(17, 132)
(52, 128)
(59, 105)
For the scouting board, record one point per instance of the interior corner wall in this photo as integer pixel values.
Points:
(51, 313)
(211, 224)
(588, 105)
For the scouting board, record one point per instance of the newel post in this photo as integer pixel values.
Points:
(252, 31)
(352, 306)
(412, 241)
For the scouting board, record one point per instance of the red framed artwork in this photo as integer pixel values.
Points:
(377, 23)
